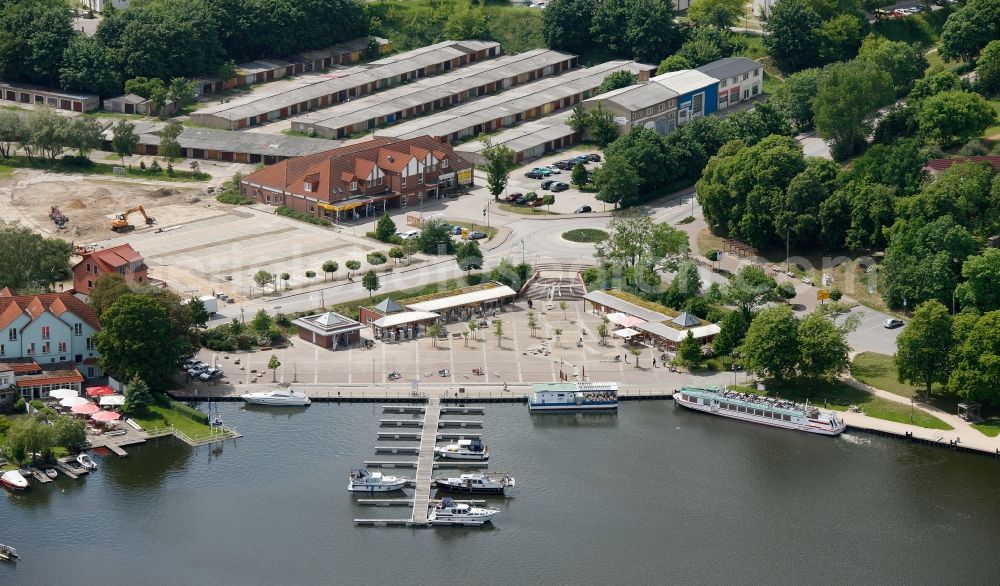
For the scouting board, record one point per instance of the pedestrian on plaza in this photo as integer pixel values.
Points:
(654, 362)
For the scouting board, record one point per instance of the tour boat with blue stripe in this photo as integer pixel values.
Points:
(573, 396)
(759, 409)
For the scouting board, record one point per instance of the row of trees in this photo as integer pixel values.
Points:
(163, 39)
(643, 30)
(781, 346)
(961, 352)
(39, 434)
(38, 261)
(45, 133)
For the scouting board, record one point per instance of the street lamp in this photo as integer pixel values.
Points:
(522, 251)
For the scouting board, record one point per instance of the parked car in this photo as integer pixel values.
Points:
(537, 202)
(474, 235)
(594, 158)
(582, 210)
(555, 170)
(512, 197)
(455, 230)
(533, 174)
(191, 363)
(410, 235)
(545, 171)
(892, 323)
(564, 165)
(521, 200)
(211, 374)
(580, 159)
(548, 183)
(808, 281)
(197, 370)
(559, 186)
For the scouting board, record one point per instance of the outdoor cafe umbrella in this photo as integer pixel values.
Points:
(99, 391)
(626, 333)
(106, 416)
(87, 409)
(73, 401)
(63, 393)
(112, 401)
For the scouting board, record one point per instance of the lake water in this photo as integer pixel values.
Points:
(653, 494)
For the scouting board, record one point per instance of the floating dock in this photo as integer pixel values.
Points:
(400, 423)
(404, 502)
(399, 435)
(414, 450)
(425, 462)
(40, 476)
(402, 409)
(459, 423)
(440, 464)
(462, 411)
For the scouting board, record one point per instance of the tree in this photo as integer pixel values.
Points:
(138, 339)
(434, 330)
(616, 80)
(823, 347)
(107, 289)
(923, 261)
(469, 256)
(848, 96)
(396, 253)
(750, 289)
(385, 228)
(34, 35)
(704, 45)
(435, 238)
(976, 359)
(547, 200)
(38, 262)
(498, 161)
(941, 81)
(138, 398)
(468, 22)
(988, 68)
(370, 282)
(410, 247)
(12, 131)
(28, 436)
(352, 265)
(273, 363)
(557, 332)
(329, 267)
(532, 323)
(199, 315)
(616, 182)
(635, 247)
(376, 257)
(261, 322)
(579, 176)
(689, 350)
(169, 148)
(872, 209)
(263, 278)
(83, 136)
(904, 62)
(771, 345)
(312, 274)
(675, 62)
(953, 117)
(839, 38)
(640, 29)
(794, 98)
(685, 285)
(924, 346)
(47, 131)
(182, 91)
(153, 89)
(124, 139)
(70, 432)
(981, 289)
(789, 35)
(566, 25)
(88, 66)
(602, 328)
(969, 29)
(285, 277)
(732, 329)
(498, 331)
(721, 14)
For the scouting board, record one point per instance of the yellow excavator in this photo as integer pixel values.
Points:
(120, 223)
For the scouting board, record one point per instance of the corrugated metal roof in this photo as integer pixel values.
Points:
(729, 67)
(637, 97)
(462, 299)
(407, 317)
(608, 300)
(686, 81)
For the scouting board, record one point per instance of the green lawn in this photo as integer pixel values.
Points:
(838, 396)
(91, 168)
(490, 232)
(526, 210)
(879, 371)
(160, 417)
(350, 308)
(585, 235)
(988, 427)
(994, 131)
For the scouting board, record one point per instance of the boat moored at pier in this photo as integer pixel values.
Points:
(280, 397)
(14, 480)
(464, 449)
(760, 409)
(364, 481)
(448, 512)
(573, 396)
(476, 483)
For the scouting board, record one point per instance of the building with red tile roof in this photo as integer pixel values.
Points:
(937, 165)
(121, 259)
(360, 179)
(47, 333)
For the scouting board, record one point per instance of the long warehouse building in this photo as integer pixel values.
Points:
(432, 94)
(321, 91)
(527, 102)
(528, 141)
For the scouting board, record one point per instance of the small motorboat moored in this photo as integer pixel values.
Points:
(488, 483)
(85, 461)
(51, 472)
(364, 481)
(279, 397)
(8, 553)
(448, 512)
(14, 480)
(465, 449)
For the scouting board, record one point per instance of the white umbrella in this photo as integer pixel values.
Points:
(73, 401)
(626, 333)
(64, 393)
(112, 400)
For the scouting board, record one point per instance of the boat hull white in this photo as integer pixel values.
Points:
(458, 456)
(816, 429)
(373, 488)
(14, 481)
(276, 402)
(600, 406)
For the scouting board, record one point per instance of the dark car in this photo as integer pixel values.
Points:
(580, 159)
(559, 186)
(594, 158)
(455, 230)
(533, 174)
(892, 323)
(476, 235)
(582, 210)
(564, 165)
(521, 201)
(513, 197)
(548, 183)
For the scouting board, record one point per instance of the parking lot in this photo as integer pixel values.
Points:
(566, 202)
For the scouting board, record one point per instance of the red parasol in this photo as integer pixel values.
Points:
(87, 409)
(99, 391)
(106, 416)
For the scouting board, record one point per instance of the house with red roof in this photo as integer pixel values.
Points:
(47, 341)
(362, 179)
(121, 259)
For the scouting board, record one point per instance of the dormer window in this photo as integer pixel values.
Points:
(354, 185)
(403, 181)
(444, 163)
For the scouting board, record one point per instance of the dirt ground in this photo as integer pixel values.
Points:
(91, 203)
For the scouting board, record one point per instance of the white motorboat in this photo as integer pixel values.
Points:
(364, 481)
(448, 512)
(85, 461)
(8, 553)
(14, 480)
(280, 397)
(465, 449)
(51, 472)
(476, 483)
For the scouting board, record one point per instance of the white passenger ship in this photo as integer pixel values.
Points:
(573, 396)
(759, 409)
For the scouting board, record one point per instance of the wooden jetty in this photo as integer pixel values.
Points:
(117, 450)
(40, 476)
(459, 423)
(74, 474)
(414, 450)
(425, 462)
(399, 423)
(398, 435)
